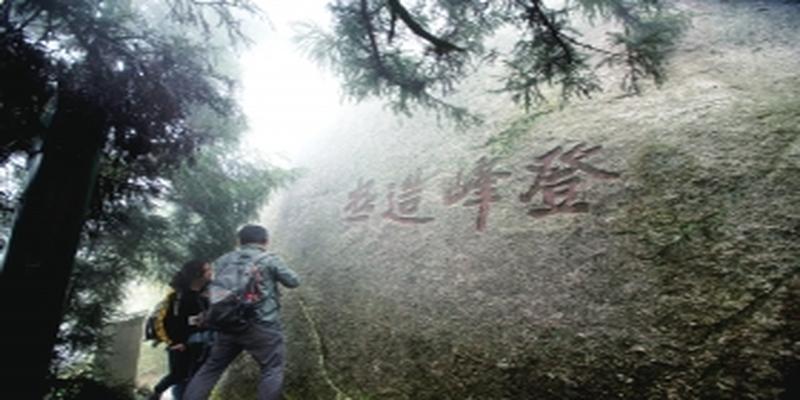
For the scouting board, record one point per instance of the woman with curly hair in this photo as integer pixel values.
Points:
(186, 337)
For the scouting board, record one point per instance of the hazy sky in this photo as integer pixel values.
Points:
(287, 98)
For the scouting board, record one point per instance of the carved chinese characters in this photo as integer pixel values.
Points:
(403, 206)
(361, 202)
(481, 182)
(558, 176)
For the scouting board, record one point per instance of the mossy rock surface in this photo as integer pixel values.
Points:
(676, 279)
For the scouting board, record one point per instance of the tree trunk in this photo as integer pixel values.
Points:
(45, 237)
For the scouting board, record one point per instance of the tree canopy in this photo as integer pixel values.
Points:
(415, 53)
(144, 82)
(108, 100)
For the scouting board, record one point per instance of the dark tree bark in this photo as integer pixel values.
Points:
(44, 240)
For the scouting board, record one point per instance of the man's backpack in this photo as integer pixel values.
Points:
(235, 297)
(158, 322)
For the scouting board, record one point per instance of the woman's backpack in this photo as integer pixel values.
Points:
(160, 319)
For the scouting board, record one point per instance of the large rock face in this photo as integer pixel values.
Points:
(636, 247)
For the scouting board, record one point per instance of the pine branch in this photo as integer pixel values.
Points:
(586, 46)
(538, 14)
(537, 17)
(624, 13)
(392, 25)
(440, 46)
(373, 42)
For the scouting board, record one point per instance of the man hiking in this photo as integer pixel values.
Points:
(248, 280)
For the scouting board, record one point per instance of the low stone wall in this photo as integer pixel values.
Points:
(122, 360)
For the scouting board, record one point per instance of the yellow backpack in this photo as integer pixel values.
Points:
(156, 327)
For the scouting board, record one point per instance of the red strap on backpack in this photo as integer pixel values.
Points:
(252, 294)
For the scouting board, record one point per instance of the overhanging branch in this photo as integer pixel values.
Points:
(373, 42)
(440, 46)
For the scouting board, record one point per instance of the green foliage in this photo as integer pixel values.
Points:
(546, 58)
(645, 49)
(211, 198)
(211, 15)
(370, 52)
(144, 80)
(417, 55)
(88, 385)
(108, 259)
(502, 143)
(171, 126)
